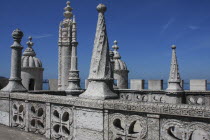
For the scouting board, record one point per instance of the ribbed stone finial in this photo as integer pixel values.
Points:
(101, 8)
(30, 43)
(29, 50)
(68, 9)
(116, 53)
(115, 46)
(17, 35)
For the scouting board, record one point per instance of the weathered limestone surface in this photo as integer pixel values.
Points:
(197, 84)
(89, 124)
(175, 94)
(74, 80)
(66, 117)
(100, 77)
(155, 84)
(65, 47)
(86, 83)
(53, 84)
(137, 84)
(174, 82)
(153, 127)
(4, 111)
(120, 69)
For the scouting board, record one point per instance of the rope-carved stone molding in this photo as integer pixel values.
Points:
(18, 114)
(177, 130)
(122, 127)
(61, 123)
(37, 118)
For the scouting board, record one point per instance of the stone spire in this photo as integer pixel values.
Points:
(15, 84)
(100, 76)
(65, 47)
(74, 80)
(174, 82)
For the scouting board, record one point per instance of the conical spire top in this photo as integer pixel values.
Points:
(100, 76)
(100, 63)
(174, 82)
(68, 14)
(29, 50)
(174, 72)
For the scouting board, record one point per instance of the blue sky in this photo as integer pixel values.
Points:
(144, 29)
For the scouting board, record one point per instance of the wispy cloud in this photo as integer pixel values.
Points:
(166, 26)
(193, 27)
(42, 36)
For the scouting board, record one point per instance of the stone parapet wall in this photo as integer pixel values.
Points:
(160, 96)
(67, 117)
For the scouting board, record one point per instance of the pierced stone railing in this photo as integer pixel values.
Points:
(67, 117)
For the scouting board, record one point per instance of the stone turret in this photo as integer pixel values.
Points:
(174, 82)
(100, 76)
(15, 84)
(31, 68)
(120, 69)
(65, 46)
(174, 90)
(74, 80)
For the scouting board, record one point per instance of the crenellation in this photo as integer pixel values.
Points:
(137, 84)
(198, 84)
(155, 84)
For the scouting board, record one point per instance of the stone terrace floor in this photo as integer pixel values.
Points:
(8, 133)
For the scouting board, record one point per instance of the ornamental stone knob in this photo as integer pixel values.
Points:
(101, 8)
(68, 9)
(17, 35)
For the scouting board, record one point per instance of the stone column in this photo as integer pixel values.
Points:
(15, 84)
(64, 43)
(74, 80)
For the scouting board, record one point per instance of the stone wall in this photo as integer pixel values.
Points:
(66, 117)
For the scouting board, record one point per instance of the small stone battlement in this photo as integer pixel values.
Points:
(194, 84)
